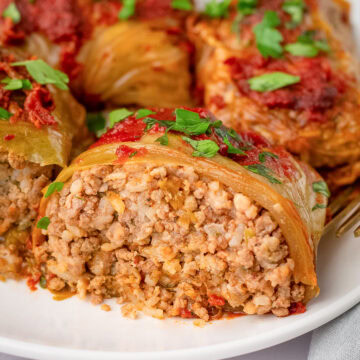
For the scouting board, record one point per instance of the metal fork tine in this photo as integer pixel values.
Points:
(340, 216)
(349, 223)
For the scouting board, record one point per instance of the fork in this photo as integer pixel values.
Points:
(344, 204)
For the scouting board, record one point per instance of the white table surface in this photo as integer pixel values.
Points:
(296, 349)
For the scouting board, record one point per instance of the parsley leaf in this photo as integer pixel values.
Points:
(150, 122)
(95, 122)
(321, 187)
(268, 39)
(217, 9)
(143, 113)
(127, 10)
(263, 171)
(16, 84)
(118, 115)
(318, 206)
(231, 149)
(246, 7)
(190, 123)
(203, 148)
(42, 282)
(13, 13)
(306, 45)
(4, 114)
(264, 154)
(44, 74)
(295, 8)
(43, 223)
(55, 186)
(272, 81)
(182, 5)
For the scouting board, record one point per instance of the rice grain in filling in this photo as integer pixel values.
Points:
(167, 241)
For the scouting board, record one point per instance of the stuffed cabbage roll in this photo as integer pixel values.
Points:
(287, 70)
(115, 53)
(174, 214)
(38, 123)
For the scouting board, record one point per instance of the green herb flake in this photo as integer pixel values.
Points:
(190, 123)
(12, 13)
(143, 113)
(231, 149)
(264, 154)
(44, 74)
(247, 7)
(203, 148)
(319, 206)
(118, 115)
(55, 186)
(306, 46)
(96, 123)
(269, 39)
(4, 114)
(16, 84)
(163, 140)
(132, 154)
(272, 81)
(263, 171)
(128, 9)
(320, 187)
(182, 5)
(295, 8)
(42, 282)
(217, 9)
(43, 223)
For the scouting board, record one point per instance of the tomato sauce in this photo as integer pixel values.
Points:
(318, 90)
(297, 308)
(132, 129)
(215, 300)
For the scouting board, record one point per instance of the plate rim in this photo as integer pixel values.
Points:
(209, 352)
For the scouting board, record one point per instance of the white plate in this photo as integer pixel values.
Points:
(33, 325)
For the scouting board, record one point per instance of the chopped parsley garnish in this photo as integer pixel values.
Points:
(132, 154)
(118, 115)
(319, 206)
(16, 84)
(231, 149)
(127, 10)
(306, 46)
(182, 5)
(320, 187)
(269, 39)
(143, 113)
(95, 123)
(43, 223)
(203, 148)
(44, 74)
(55, 186)
(164, 140)
(272, 81)
(217, 9)
(264, 154)
(263, 171)
(4, 114)
(42, 282)
(187, 122)
(13, 13)
(295, 8)
(247, 7)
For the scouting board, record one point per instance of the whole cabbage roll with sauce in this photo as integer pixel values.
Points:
(115, 53)
(287, 70)
(174, 214)
(38, 123)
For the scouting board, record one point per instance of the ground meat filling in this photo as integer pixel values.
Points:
(21, 183)
(167, 241)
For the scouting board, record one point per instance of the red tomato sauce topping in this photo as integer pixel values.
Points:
(318, 90)
(33, 105)
(124, 153)
(215, 300)
(132, 129)
(297, 308)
